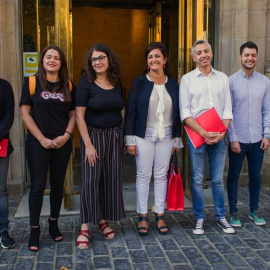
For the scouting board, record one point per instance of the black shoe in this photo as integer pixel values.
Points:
(54, 230)
(158, 218)
(6, 241)
(34, 239)
(143, 231)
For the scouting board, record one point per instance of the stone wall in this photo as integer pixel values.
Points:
(11, 70)
(239, 21)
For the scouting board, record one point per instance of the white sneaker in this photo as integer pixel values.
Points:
(226, 226)
(198, 228)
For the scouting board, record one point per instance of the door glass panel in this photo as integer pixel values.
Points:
(38, 24)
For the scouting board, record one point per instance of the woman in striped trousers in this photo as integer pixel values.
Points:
(99, 101)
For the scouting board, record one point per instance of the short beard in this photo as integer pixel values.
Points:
(244, 66)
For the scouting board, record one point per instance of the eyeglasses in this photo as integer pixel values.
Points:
(100, 58)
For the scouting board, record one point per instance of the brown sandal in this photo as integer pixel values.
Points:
(102, 227)
(84, 233)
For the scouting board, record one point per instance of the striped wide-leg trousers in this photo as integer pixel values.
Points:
(102, 190)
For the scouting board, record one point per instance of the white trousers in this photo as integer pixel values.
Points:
(152, 154)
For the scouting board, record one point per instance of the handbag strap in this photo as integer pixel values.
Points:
(174, 159)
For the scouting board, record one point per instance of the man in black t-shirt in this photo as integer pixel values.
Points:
(6, 121)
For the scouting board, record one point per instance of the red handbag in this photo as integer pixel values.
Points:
(3, 147)
(175, 192)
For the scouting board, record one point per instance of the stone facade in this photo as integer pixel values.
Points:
(239, 21)
(236, 22)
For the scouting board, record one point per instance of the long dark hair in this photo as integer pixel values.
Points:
(113, 71)
(63, 86)
(161, 46)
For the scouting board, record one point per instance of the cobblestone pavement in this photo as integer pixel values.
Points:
(179, 249)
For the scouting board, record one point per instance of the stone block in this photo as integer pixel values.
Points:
(138, 256)
(213, 257)
(176, 257)
(122, 264)
(257, 26)
(191, 252)
(64, 262)
(141, 266)
(102, 262)
(17, 163)
(15, 132)
(47, 254)
(100, 248)
(235, 260)
(224, 62)
(25, 263)
(64, 249)
(160, 263)
(199, 263)
(8, 256)
(257, 263)
(241, 5)
(226, 24)
(15, 188)
(226, 5)
(119, 252)
(133, 244)
(9, 17)
(83, 266)
(258, 6)
(240, 24)
(44, 266)
(168, 244)
(221, 266)
(154, 251)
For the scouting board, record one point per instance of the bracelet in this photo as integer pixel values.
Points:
(68, 133)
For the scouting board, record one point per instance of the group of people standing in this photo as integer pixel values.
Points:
(148, 128)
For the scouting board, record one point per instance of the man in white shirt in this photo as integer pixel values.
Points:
(200, 90)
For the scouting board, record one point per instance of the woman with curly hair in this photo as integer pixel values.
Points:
(99, 101)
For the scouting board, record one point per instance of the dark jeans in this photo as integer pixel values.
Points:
(254, 156)
(40, 160)
(4, 163)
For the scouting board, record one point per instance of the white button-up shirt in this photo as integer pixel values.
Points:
(199, 93)
(251, 107)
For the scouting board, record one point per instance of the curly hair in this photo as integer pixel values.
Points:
(113, 71)
(63, 86)
(161, 46)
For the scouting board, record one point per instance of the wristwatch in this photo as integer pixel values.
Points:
(267, 136)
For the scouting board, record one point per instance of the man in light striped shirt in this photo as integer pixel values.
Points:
(249, 132)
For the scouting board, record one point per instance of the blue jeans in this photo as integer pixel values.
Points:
(216, 154)
(4, 163)
(254, 155)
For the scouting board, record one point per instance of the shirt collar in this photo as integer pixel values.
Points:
(198, 72)
(244, 75)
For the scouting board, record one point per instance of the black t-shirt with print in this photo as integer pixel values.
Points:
(103, 107)
(49, 110)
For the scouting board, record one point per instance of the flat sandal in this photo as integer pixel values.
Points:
(104, 225)
(84, 233)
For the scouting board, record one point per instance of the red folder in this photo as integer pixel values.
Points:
(210, 122)
(3, 147)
